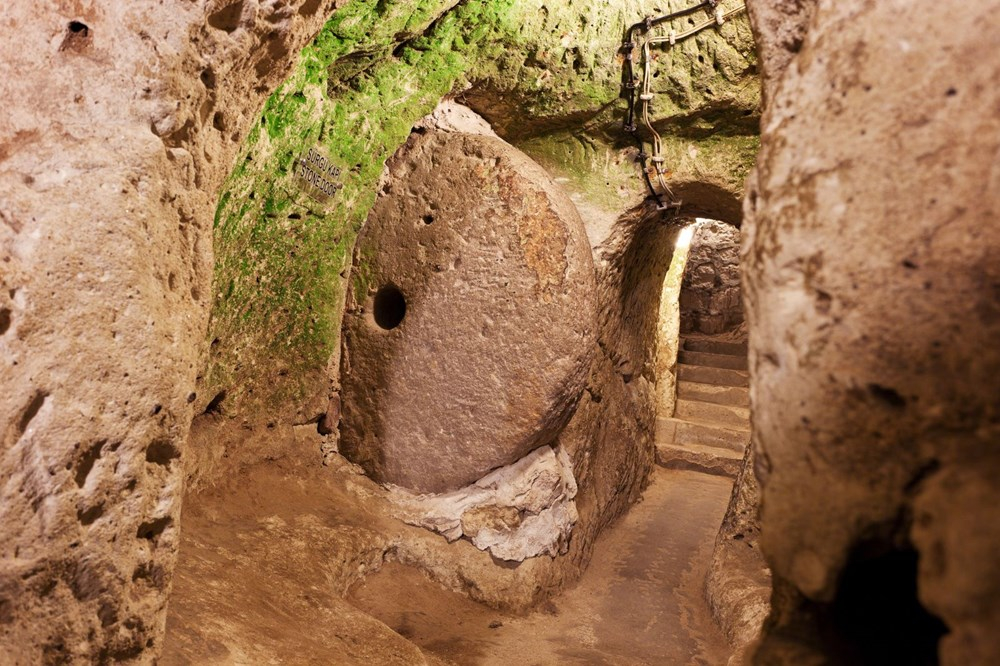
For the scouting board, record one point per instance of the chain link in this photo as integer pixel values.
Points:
(655, 168)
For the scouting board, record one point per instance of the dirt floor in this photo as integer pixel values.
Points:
(260, 577)
(641, 601)
(266, 563)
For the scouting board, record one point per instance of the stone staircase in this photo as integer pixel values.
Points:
(710, 429)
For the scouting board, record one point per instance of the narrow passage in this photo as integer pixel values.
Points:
(640, 602)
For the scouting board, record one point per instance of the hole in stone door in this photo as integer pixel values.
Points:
(389, 307)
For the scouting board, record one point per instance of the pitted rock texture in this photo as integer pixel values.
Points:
(779, 28)
(873, 293)
(470, 329)
(516, 512)
(738, 585)
(450, 116)
(710, 299)
(120, 122)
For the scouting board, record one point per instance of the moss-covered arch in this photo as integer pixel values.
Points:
(371, 72)
(281, 256)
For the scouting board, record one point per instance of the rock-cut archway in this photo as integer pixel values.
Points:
(703, 419)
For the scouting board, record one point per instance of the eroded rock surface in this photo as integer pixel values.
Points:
(469, 333)
(121, 121)
(873, 301)
(710, 300)
(516, 512)
(738, 585)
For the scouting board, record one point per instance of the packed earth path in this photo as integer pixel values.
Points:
(640, 602)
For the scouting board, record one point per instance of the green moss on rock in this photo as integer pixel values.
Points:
(535, 69)
(281, 257)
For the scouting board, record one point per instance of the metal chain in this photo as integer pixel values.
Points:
(655, 166)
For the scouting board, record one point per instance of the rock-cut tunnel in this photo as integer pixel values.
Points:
(500, 331)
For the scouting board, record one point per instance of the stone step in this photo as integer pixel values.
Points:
(712, 360)
(726, 416)
(715, 346)
(714, 376)
(697, 458)
(738, 396)
(686, 433)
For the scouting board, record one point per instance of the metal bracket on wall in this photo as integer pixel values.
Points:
(652, 164)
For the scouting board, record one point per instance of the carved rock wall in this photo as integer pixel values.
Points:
(111, 151)
(738, 586)
(710, 300)
(873, 291)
